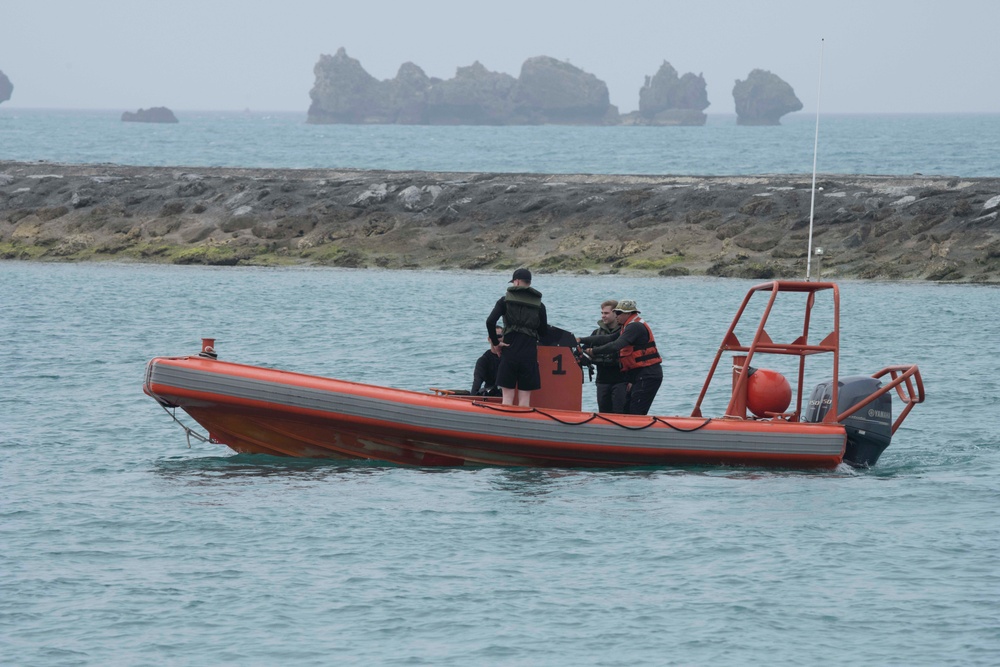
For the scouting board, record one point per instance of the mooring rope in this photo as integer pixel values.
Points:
(652, 420)
(592, 417)
(188, 431)
(684, 430)
(505, 408)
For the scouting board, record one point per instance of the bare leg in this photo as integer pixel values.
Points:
(524, 398)
(508, 395)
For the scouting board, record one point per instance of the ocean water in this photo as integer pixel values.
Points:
(958, 145)
(122, 545)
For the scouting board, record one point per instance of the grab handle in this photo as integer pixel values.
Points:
(907, 375)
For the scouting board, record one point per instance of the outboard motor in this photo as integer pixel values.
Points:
(869, 430)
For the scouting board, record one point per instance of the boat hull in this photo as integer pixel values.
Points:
(259, 410)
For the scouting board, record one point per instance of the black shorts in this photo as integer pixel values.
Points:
(519, 364)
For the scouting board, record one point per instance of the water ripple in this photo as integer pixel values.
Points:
(123, 546)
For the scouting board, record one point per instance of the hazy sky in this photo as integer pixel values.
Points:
(879, 55)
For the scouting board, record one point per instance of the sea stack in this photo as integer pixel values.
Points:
(151, 115)
(669, 99)
(548, 91)
(6, 87)
(763, 99)
(554, 92)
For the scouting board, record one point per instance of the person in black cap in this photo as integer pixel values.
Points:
(524, 319)
(636, 349)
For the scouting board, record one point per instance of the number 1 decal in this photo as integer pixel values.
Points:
(558, 361)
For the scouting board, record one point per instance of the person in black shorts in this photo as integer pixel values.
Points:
(524, 319)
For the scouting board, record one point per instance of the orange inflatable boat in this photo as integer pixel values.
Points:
(251, 409)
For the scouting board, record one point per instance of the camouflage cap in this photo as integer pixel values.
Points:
(626, 306)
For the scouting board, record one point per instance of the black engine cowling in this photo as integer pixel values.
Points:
(869, 430)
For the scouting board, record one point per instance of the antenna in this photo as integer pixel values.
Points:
(812, 202)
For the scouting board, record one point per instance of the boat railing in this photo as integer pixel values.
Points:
(763, 344)
(902, 377)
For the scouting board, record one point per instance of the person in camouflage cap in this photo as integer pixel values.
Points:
(637, 354)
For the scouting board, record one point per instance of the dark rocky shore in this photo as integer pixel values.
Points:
(919, 227)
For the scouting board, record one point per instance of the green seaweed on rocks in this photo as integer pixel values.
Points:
(657, 264)
(215, 255)
(10, 250)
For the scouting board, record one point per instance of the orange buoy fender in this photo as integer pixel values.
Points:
(768, 392)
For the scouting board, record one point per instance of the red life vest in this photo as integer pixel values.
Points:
(638, 356)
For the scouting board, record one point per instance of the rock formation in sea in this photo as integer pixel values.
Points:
(151, 115)
(6, 87)
(475, 96)
(345, 93)
(763, 99)
(547, 91)
(551, 91)
(408, 94)
(669, 99)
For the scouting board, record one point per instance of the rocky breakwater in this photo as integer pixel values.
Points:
(933, 228)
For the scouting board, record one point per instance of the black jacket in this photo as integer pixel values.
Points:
(484, 378)
(609, 371)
